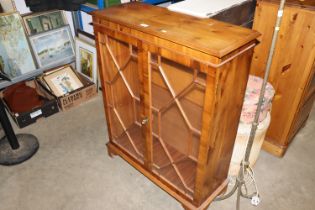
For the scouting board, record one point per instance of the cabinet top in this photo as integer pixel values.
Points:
(207, 35)
(309, 4)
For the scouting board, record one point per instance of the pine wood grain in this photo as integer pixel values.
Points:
(292, 69)
(207, 35)
(308, 4)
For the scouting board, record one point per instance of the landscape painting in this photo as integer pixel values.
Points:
(40, 22)
(53, 48)
(15, 54)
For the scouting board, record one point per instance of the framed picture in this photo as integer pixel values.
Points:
(53, 48)
(63, 81)
(40, 22)
(86, 61)
(7, 6)
(16, 58)
(86, 37)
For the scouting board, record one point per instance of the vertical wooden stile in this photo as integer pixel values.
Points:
(207, 122)
(99, 38)
(145, 102)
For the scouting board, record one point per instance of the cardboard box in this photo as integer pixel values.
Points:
(49, 108)
(76, 97)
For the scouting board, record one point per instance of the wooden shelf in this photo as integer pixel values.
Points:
(174, 167)
(177, 169)
(132, 142)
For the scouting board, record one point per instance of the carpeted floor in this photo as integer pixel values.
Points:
(72, 171)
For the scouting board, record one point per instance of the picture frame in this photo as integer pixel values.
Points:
(44, 21)
(86, 37)
(86, 60)
(53, 48)
(7, 6)
(16, 57)
(63, 81)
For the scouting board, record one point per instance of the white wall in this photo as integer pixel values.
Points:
(86, 19)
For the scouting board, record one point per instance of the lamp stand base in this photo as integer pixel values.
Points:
(28, 147)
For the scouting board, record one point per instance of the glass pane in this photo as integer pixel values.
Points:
(177, 99)
(122, 88)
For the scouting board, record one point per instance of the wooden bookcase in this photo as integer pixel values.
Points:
(173, 92)
(292, 70)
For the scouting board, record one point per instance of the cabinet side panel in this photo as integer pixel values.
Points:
(310, 87)
(220, 129)
(291, 67)
(305, 106)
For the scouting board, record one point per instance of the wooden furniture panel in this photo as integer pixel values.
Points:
(301, 117)
(291, 71)
(206, 35)
(172, 106)
(310, 87)
(214, 162)
(122, 93)
(306, 4)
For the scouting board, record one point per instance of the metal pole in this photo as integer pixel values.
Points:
(245, 163)
(7, 127)
(263, 88)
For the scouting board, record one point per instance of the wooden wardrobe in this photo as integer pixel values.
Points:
(292, 70)
(173, 92)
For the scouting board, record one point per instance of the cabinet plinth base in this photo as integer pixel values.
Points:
(280, 150)
(187, 208)
(276, 150)
(113, 149)
(110, 152)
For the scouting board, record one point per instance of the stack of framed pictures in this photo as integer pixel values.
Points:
(51, 38)
(33, 43)
(62, 81)
(70, 87)
(52, 43)
(41, 45)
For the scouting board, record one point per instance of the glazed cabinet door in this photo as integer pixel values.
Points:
(178, 89)
(121, 83)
